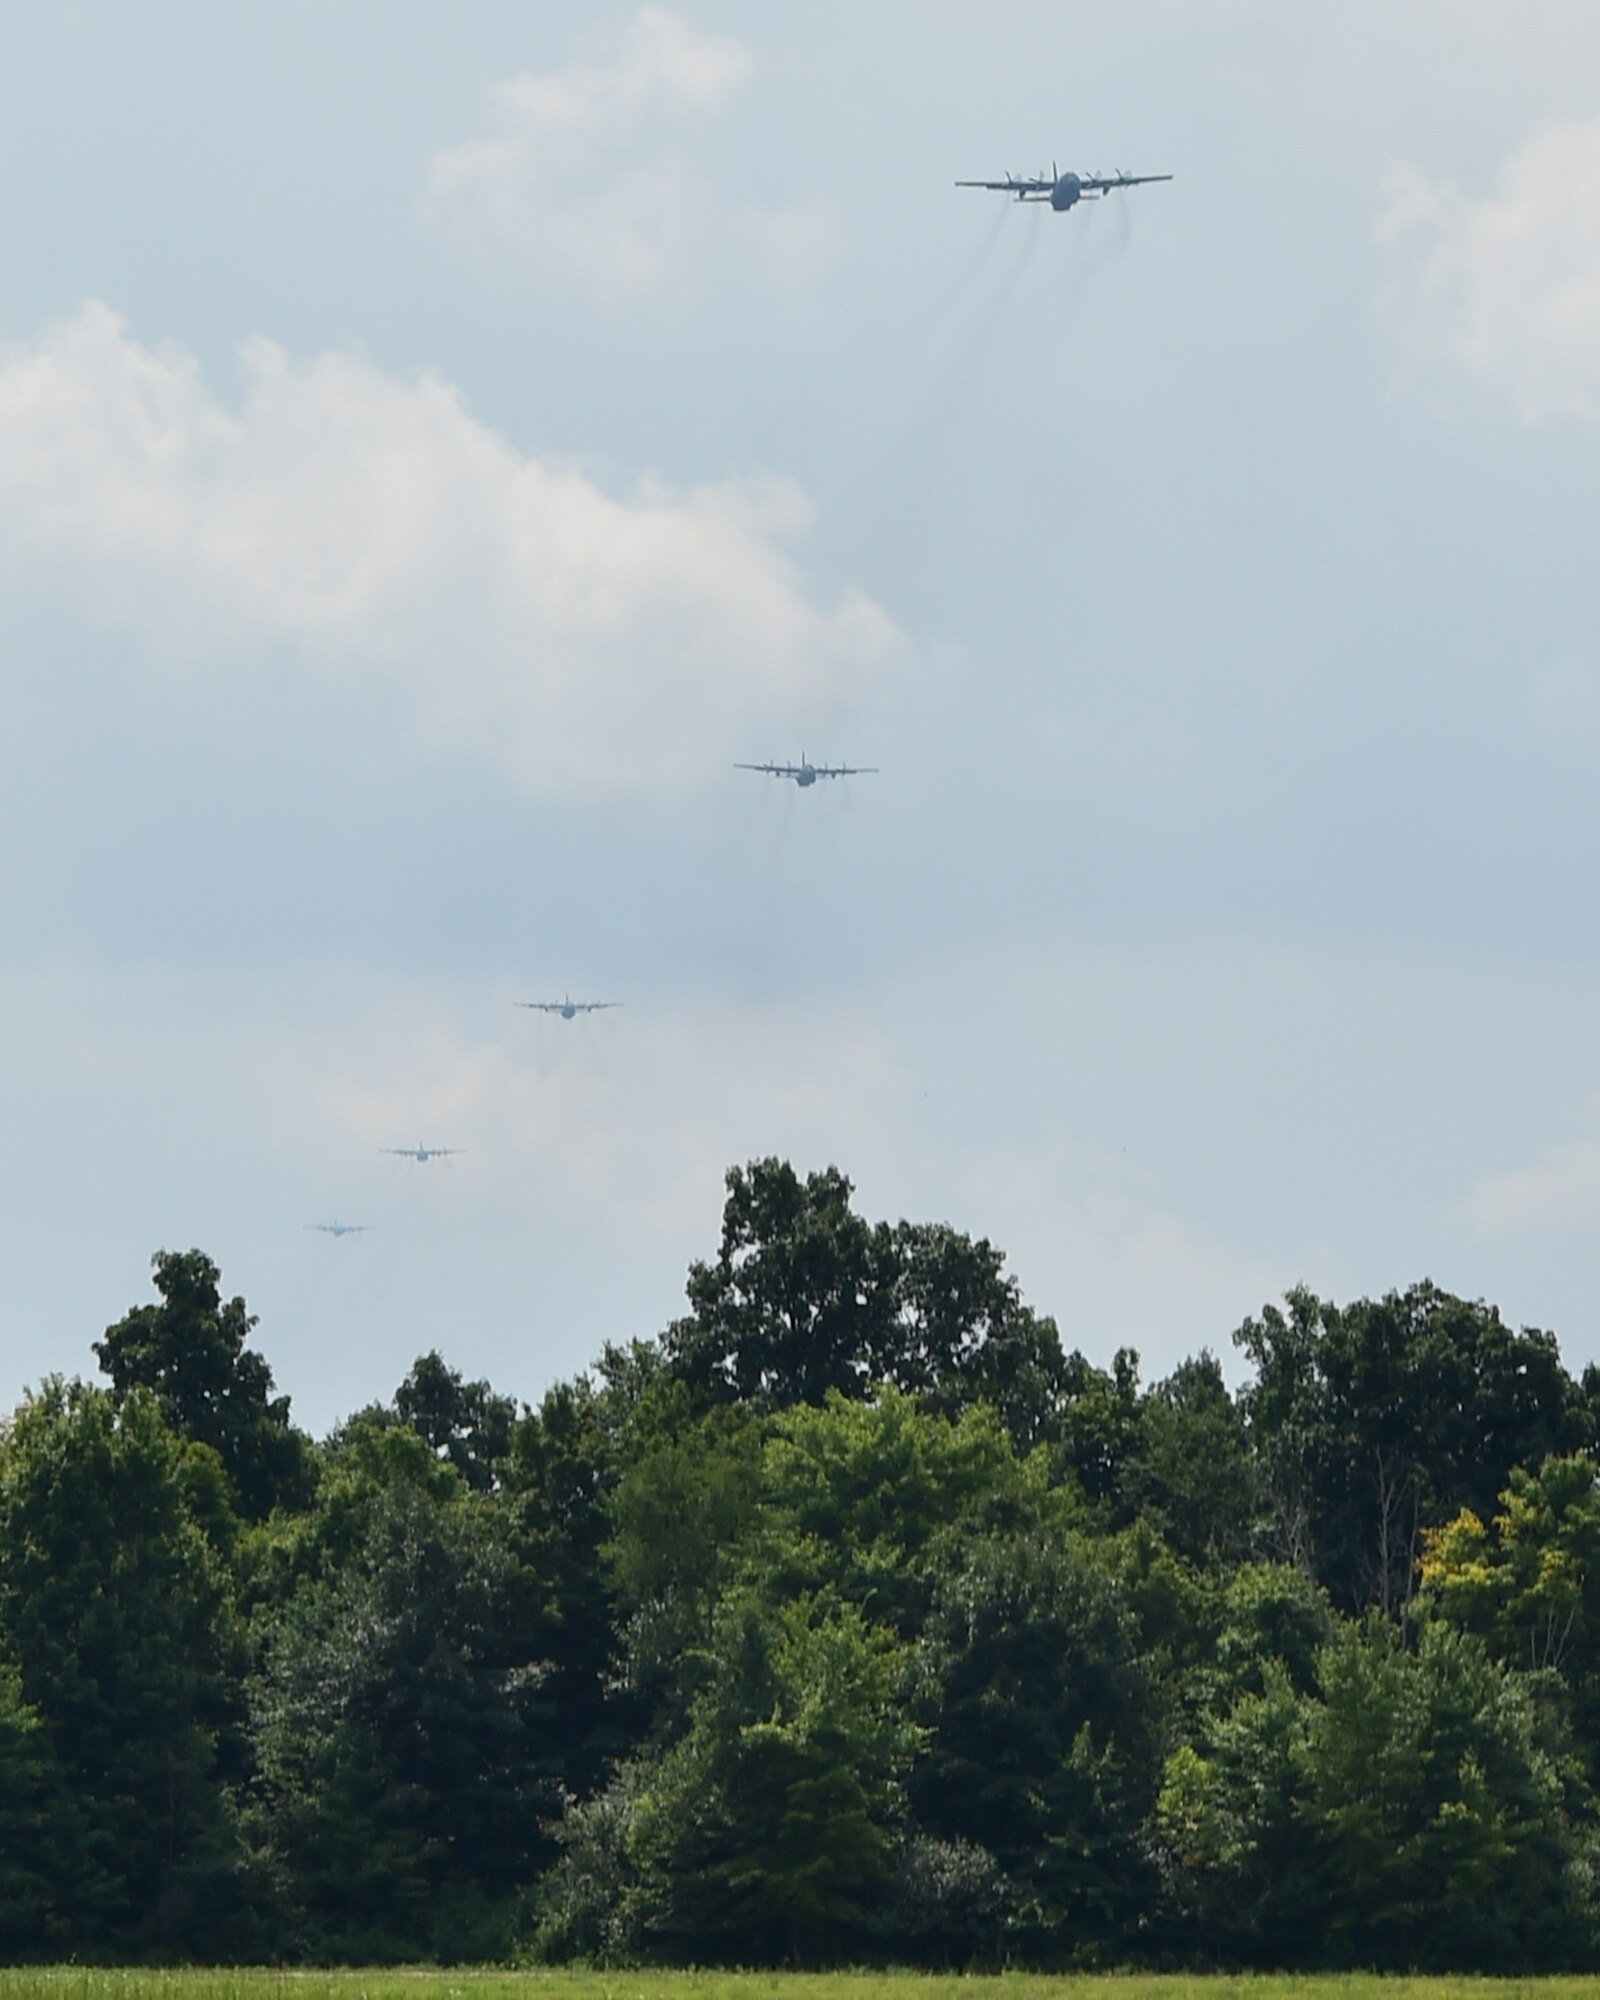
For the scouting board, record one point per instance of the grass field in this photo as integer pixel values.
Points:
(77, 1983)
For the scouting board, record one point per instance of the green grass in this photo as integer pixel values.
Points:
(78, 1983)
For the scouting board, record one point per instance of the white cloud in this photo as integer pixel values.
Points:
(578, 175)
(658, 59)
(517, 608)
(1505, 290)
(1562, 1190)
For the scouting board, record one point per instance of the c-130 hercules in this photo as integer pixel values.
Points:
(806, 773)
(1064, 191)
(568, 1009)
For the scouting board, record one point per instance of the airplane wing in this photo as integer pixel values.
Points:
(772, 770)
(845, 770)
(1022, 189)
(596, 1006)
(1093, 186)
(541, 1006)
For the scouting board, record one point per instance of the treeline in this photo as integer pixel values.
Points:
(849, 1620)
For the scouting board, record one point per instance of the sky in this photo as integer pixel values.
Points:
(437, 445)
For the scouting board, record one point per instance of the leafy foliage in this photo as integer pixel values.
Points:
(805, 1298)
(765, 1832)
(1380, 1419)
(851, 1620)
(114, 1610)
(1041, 1751)
(190, 1353)
(403, 1733)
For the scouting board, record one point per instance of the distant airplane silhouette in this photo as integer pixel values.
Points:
(806, 773)
(567, 1009)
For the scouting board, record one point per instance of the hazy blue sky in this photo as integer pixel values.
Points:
(436, 443)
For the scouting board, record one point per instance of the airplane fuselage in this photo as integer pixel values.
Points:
(805, 775)
(1067, 191)
(568, 1011)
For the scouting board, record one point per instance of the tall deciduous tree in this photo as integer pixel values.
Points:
(864, 1498)
(190, 1352)
(1436, 1810)
(114, 1610)
(1528, 1580)
(767, 1830)
(798, 1299)
(467, 1424)
(41, 1846)
(407, 1749)
(1376, 1420)
(1242, 1880)
(1193, 1474)
(1042, 1747)
(555, 1485)
(805, 1298)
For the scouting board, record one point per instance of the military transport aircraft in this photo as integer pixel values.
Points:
(568, 1008)
(1064, 191)
(339, 1228)
(422, 1154)
(806, 773)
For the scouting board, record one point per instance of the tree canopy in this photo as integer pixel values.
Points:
(852, 1619)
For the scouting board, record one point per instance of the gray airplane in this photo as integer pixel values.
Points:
(1064, 191)
(422, 1154)
(339, 1228)
(806, 773)
(569, 1009)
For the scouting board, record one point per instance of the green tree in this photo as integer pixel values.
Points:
(797, 1300)
(467, 1424)
(190, 1353)
(407, 1749)
(961, 1335)
(1043, 1747)
(114, 1611)
(1240, 1875)
(1376, 1420)
(1273, 1618)
(767, 1831)
(805, 1298)
(861, 1498)
(1192, 1473)
(686, 1496)
(41, 1845)
(1437, 1813)
(1099, 1435)
(555, 1488)
(1528, 1581)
